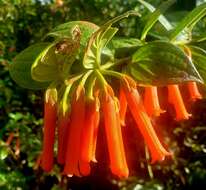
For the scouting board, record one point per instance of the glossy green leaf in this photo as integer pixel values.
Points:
(161, 63)
(45, 68)
(124, 47)
(161, 18)
(199, 38)
(99, 39)
(199, 60)
(154, 16)
(20, 69)
(189, 21)
(65, 30)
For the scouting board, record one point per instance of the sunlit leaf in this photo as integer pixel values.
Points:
(161, 63)
(161, 18)
(124, 47)
(154, 16)
(65, 30)
(199, 60)
(99, 39)
(20, 69)
(189, 21)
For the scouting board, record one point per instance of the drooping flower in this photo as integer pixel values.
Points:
(89, 135)
(175, 98)
(50, 116)
(193, 91)
(74, 135)
(113, 132)
(123, 106)
(151, 101)
(63, 130)
(192, 86)
(135, 103)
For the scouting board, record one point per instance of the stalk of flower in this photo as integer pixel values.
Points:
(50, 115)
(175, 98)
(151, 101)
(193, 91)
(73, 144)
(115, 144)
(123, 106)
(143, 121)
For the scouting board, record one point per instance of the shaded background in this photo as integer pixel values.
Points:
(24, 22)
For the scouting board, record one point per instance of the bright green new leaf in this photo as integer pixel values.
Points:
(20, 69)
(154, 16)
(161, 63)
(199, 60)
(99, 39)
(161, 18)
(189, 21)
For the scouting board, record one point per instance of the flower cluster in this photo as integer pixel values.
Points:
(76, 117)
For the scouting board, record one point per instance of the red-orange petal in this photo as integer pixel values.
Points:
(91, 122)
(122, 106)
(63, 129)
(74, 138)
(193, 91)
(175, 98)
(151, 101)
(50, 114)
(144, 124)
(115, 145)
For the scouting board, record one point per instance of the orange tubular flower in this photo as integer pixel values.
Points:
(89, 135)
(50, 115)
(77, 118)
(63, 126)
(175, 98)
(144, 124)
(193, 91)
(114, 136)
(151, 101)
(123, 106)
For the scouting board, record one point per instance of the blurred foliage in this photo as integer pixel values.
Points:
(22, 23)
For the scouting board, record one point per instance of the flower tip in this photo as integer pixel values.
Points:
(85, 168)
(158, 112)
(158, 158)
(183, 117)
(122, 122)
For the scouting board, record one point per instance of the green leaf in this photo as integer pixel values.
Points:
(20, 69)
(199, 60)
(3, 152)
(65, 30)
(189, 21)
(199, 38)
(45, 68)
(99, 40)
(161, 18)
(124, 47)
(154, 16)
(162, 63)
